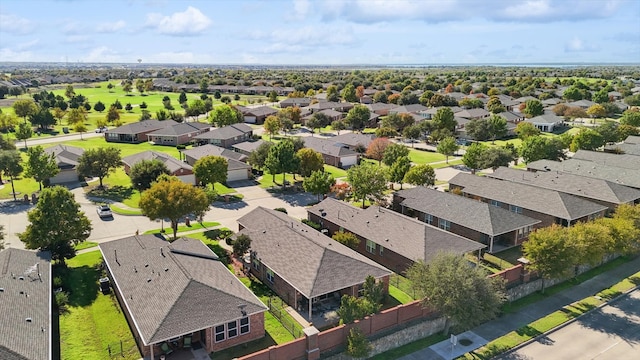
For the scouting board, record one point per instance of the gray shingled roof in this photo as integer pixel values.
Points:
(399, 233)
(248, 146)
(142, 126)
(310, 261)
(632, 139)
(582, 186)
(261, 111)
(545, 119)
(618, 175)
(627, 149)
(226, 132)
(354, 139)
(198, 152)
(328, 147)
(172, 163)
(20, 339)
(172, 289)
(472, 214)
(560, 205)
(180, 129)
(628, 161)
(65, 155)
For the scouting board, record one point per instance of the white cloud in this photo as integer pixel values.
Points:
(189, 22)
(577, 45)
(27, 45)
(110, 27)
(309, 35)
(76, 39)
(532, 8)
(7, 54)
(13, 24)
(301, 8)
(73, 28)
(105, 55)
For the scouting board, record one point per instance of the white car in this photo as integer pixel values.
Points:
(104, 211)
(102, 129)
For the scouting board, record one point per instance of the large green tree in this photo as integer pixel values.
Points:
(10, 165)
(170, 198)
(473, 156)
(318, 183)
(495, 157)
(525, 130)
(272, 125)
(399, 169)
(349, 93)
(258, 157)
(56, 224)
(587, 139)
(536, 148)
(498, 127)
(550, 252)
(24, 132)
(393, 152)
(145, 172)
(282, 159)
(224, 115)
(24, 108)
(478, 129)
(420, 175)
(99, 162)
(211, 170)
(367, 181)
(40, 165)
(447, 147)
(43, 118)
(310, 161)
(444, 119)
(461, 292)
(358, 117)
(533, 108)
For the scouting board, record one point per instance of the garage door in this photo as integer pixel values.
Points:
(250, 119)
(348, 161)
(65, 176)
(235, 175)
(188, 179)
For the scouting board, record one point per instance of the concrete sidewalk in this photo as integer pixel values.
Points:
(496, 328)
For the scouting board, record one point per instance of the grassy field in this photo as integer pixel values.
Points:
(424, 157)
(93, 321)
(182, 228)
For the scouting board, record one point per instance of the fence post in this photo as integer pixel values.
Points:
(121, 351)
(109, 349)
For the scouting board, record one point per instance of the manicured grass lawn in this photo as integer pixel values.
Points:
(93, 321)
(85, 245)
(122, 211)
(444, 165)
(125, 149)
(182, 228)
(221, 189)
(399, 295)
(335, 172)
(424, 157)
(410, 348)
(266, 181)
(510, 255)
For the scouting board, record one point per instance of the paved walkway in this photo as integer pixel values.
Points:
(496, 328)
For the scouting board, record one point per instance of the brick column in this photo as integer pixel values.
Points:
(313, 351)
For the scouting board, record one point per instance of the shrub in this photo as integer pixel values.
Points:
(314, 225)
(281, 210)
(357, 344)
(241, 245)
(62, 300)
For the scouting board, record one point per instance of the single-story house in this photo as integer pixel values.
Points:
(66, 158)
(236, 168)
(583, 104)
(387, 237)
(258, 114)
(619, 175)
(136, 132)
(226, 136)
(630, 146)
(548, 206)
(476, 113)
(247, 147)
(492, 226)
(325, 105)
(353, 140)
(366, 99)
(408, 109)
(628, 161)
(172, 291)
(381, 109)
(302, 265)
(334, 154)
(26, 301)
(177, 168)
(546, 122)
(179, 134)
(599, 191)
(293, 102)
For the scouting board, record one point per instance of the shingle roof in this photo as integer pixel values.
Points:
(380, 106)
(212, 150)
(248, 146)
(627, 149)
(180, 129)
(226, 132)
(472, 214)
(354, 139)
(25, 295)
(545, 119)
(413, 108)
(328, 147)
(582, 186)
(261, 111)
(172, 163)
(631, 139)
(172, 289)
(472, 113)
(310, 261)
(65, 155)
(618, 175)
(560, 205)
(142, 126)
(401, 234)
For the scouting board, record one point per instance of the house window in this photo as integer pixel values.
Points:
(270, 275)
(428, 218)
(219, 333)
(232, 329)
(515, 209)
(495, 203)
(244, 325)
(381, 250)
(256, 264)
(524, 232)
(371, 246)
(444, 224)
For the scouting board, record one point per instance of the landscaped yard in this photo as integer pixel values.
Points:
(424, 157)
(182, 228)
(93, 322)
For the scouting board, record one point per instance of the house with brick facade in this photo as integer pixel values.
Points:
(237, 168)
(137, 132)
(178, 134)
(548, 206)
(387, 237)
(492, 226)
(620, 175)
(172, 291)
(66, 158)
(302, 265)
(177, 168)
(334, 153)
(226, 136)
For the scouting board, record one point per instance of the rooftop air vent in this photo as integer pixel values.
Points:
(29, 320)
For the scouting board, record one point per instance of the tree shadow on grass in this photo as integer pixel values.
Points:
(115, 193)
(246, 348)
(81, 283)
(528, 331)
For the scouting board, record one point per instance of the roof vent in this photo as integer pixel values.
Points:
(20, 277)
(1, 289)
(149, 280)
(146, 265)
(166, 269)
(28, 320)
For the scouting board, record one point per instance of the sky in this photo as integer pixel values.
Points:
(322, 32)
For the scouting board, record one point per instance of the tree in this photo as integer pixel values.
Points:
(211, 170)
(69, 92)
(399, 169)
(609, 132)
(127, 87)
(495, 157)
(56, 224)
(536, 148)
(495, 105)
(550, 252)
(40, 165)
(24, 108)
(533, 108)
(420, 175)
(367, 181)
(591, 241)
(349, 93)
(128, 107)
(596, 111)
(110, 86)
(630, 117)
(373, 292)
(282, 159)
(145, 172)
(447, 147)
(398, 121)
(272, 125)
(386, 132)
(459, 291)
(113, 114)
(347, 239)
(225, 115)
(393, 152)
(24, 132)
(478, 129)
(76, 116)
(357, 344)
(376, 149)
(182, 98)
(273, 96)
(99, 162)
(587, 139)
(318, 183)
(99, 106)
(444, 119)
(241, 245)
(43, 118)
(7, 122)
(332, 93)
(170, 198)
(117, 104)
(258, 157)
(338, 125)
(196, 108)
(10, 165)
(353, 308)
(525, 130)
(140, 86)
(473, 157)
(310, 161)
(498, 127)
(412, 132)
(358, 117)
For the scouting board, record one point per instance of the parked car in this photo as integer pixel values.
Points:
(102, 129)
(104, 211)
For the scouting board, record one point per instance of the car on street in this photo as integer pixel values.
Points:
(104, 211)
(102, 129)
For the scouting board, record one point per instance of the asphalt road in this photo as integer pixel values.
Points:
(611, 332)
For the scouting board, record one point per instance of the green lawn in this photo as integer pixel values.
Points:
(399, 295)
(266, 181)
(335, 172)
(85, 245)
(410, 348)
(182, 228)
(444, 165)
(122, 211)
(93, 321)
(424, 157)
